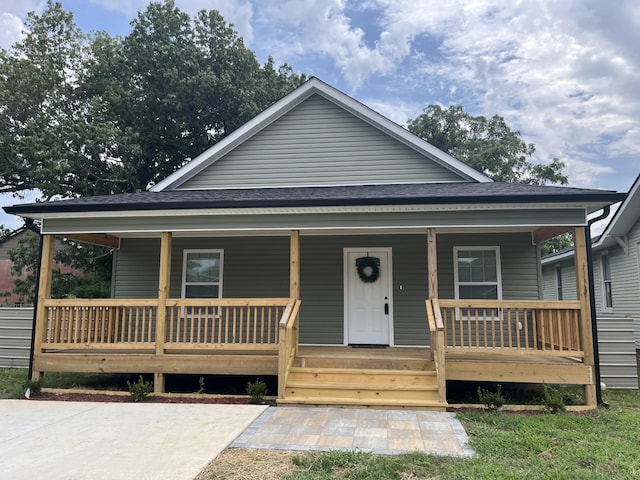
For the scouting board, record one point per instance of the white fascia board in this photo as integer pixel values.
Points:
(627, 214)
(304, 210)
(293, 99)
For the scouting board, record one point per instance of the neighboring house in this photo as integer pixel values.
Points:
(616, 272)
(11, 241)
(7, 280)
(324, 244)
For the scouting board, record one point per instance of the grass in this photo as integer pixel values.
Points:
(13, 379)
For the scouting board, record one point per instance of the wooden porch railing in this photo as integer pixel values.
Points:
(512, 327)
(199, 324)
(96, 323)
(288, 339)
(437, 337)
(228, 324)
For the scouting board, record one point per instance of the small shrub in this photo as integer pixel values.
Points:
(140, 390)
(553, 400)
(201, 385)
(256, 390)
(493, 400)
(33, 386)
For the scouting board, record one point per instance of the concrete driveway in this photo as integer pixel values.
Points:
(86, 440)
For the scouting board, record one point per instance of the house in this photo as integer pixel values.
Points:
(8, 243)
(616, 273)
(327, 245)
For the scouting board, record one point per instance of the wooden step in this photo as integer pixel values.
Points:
(368, 362)
(361, 387)
(372, 402)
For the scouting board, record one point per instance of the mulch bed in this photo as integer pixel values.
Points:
(106, 397)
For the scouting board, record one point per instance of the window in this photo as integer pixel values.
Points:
(202, 274)
(477, 273)
(605, 271)
(559, 282)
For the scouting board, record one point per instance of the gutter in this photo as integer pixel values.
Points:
(592, 300)
(31, 226)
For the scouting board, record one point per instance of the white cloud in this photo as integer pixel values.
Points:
(12, 16)
(10, 30)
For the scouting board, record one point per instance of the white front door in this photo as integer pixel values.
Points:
(368, 306)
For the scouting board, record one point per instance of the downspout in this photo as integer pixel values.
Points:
(592, 301)
(31, 226)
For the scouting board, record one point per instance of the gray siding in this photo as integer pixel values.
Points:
(625, 280)
(618, 366)
(319, 143)
(253, 267)
(568, 271)
(15, 337)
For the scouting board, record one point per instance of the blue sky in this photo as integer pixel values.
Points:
(566, 74)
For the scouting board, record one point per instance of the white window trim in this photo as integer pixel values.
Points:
(498, 268)
(603, 293)
(559, 283)
(185, 253)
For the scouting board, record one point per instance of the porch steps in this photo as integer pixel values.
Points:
(362, 387)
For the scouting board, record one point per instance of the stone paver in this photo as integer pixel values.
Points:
(378, 431)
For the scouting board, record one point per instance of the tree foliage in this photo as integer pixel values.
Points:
(487, 145)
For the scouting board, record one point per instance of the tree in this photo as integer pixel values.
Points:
(491, 147)
(487, 145)
(177, 85)
(50, 137)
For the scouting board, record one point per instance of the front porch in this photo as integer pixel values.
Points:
(259, 337)
(524, 341)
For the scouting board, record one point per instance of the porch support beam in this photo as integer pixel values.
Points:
(44, 292)
(101, 239)
(163, 294)
(432, 263)
(582, 288)
(294, 266)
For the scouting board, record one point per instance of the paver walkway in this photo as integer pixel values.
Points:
(378, 431)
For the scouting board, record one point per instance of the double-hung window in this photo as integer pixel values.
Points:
(605, 272)
(202, 274)
(477, 273)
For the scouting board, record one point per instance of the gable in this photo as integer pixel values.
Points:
(318, 143)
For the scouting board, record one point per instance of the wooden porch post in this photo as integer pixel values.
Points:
(582, 287)
(294, 267)
(161, 314)
(432, 263)
(44, 292)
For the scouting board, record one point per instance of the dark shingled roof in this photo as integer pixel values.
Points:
(404, 194)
